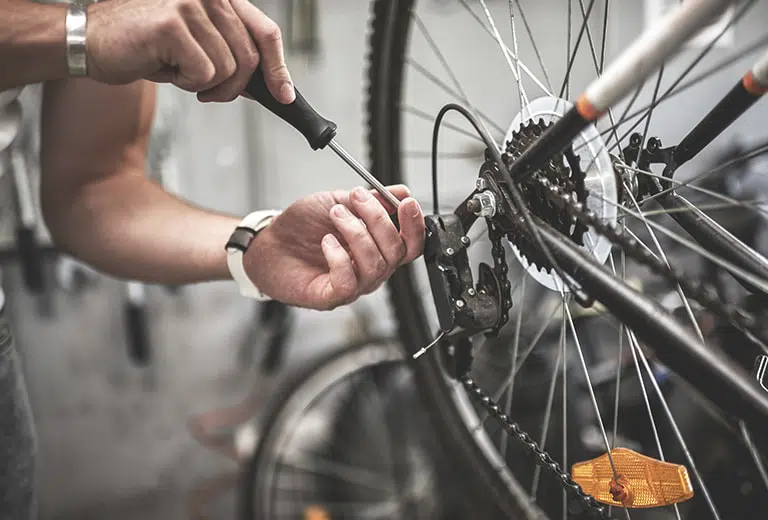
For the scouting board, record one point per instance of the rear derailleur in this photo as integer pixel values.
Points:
(466, 307)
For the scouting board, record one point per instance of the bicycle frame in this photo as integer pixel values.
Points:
(722, 382)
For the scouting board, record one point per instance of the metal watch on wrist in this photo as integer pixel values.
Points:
(77, 15)
(238, 244)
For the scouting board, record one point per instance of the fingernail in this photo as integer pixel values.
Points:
(413, 208)
(330, 241)
(361, 194)
(287, 92)
(341, 212)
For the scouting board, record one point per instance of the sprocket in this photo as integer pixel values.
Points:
(564, 171)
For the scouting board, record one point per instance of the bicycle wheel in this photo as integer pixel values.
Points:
(348, 439)
(581, 386)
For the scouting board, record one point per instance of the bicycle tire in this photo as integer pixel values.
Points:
(304, 390)
(388, 39)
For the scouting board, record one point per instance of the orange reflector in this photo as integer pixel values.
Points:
(316, 513)
(642, 481)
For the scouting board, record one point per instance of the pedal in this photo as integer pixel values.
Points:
(639, 481)
(761, 371)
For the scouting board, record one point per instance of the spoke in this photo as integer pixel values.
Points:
(564, 347)
(533, 43)
(592, 396)
(515, 73)
(449, 71)
(748, 276)
(424, 154)
(650, 413)
(756, 204)
(528, 350)
(578, 44)
(756, 152)
(516, 50)
(511, 389)
(634, 344)
(508, 53)
(603, 38)
(664, 259)
(598, 64)
(423, 115)
(516, 346)
(569, 25)
(619, 362)
(714, 194)
(550, 403)
(753, 451)
(451, 92)
(333, 469)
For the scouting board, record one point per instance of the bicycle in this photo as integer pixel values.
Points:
(577, 219)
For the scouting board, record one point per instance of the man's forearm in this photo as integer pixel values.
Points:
(128, 227)
(32, 43)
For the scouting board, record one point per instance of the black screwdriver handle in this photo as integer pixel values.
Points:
(316, 129)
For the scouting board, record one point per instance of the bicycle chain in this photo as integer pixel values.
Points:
(500, 269)
(590, 507)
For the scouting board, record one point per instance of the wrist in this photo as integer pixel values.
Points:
(245, 239)
(32, 43)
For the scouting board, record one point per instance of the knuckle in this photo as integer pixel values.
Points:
(399, 251)
(170, 27)
(380, 268)
(251, 58)
(272, 32)
(188, 8)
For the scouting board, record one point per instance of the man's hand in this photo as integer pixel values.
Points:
(330, 248)
(210, 47)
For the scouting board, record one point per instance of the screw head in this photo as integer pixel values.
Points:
(480, 183)
(459, 304)
(465, 240)
(449, 251)
(471, 291)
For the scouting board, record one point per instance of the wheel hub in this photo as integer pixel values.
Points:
(584, 170)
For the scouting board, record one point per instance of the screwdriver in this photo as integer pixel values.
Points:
(317, 130)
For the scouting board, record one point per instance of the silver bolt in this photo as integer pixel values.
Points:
(449, 251)
(486, 202)
(480, 184)
(459, 304)
(471, 291)
(465, 240)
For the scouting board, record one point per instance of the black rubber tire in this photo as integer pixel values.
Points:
(390, 28)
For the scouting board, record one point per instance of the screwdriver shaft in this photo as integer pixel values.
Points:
(362, 172)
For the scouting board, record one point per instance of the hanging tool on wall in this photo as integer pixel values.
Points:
(302, 28)
(27, 244)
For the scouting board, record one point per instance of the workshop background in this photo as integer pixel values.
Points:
(113, 435)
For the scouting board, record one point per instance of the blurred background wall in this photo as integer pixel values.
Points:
(113, 440)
